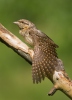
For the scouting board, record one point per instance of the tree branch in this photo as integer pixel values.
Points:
(61, 80)
(14, 43)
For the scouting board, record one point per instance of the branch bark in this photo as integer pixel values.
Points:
(61, 80)
(15, 43)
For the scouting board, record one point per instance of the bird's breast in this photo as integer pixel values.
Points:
(29, 40)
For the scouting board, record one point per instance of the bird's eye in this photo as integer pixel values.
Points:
(22, 22)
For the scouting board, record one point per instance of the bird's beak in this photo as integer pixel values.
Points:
(17, 23)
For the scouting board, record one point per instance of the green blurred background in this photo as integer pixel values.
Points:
(54, 17)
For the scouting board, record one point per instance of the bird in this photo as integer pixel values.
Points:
(45, 60)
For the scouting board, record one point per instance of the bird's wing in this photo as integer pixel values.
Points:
(44, 60)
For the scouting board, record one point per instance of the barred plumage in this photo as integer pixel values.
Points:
(45, 57)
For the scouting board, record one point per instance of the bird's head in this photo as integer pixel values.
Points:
(24, 24)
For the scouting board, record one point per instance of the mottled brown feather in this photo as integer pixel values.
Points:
(45, 57)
